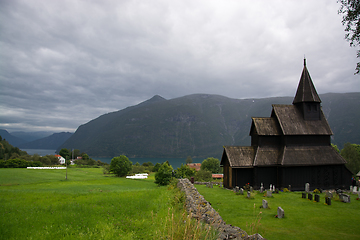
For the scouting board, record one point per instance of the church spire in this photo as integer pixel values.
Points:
(306, 91)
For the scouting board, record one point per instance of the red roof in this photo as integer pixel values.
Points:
(196, 166)
(218, 175)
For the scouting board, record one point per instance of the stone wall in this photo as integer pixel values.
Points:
(199, 208)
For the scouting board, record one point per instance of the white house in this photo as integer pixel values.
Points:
(61, 159)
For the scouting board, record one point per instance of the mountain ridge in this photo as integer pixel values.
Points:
(197, 125)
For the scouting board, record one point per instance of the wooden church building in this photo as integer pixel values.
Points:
(291, 147)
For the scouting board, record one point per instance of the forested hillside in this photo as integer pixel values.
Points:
(198, 125)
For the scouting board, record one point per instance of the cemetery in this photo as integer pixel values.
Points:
(278, 214)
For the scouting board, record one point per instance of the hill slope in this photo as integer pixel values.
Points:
(15, 141)
(198, 125)
(50, 142)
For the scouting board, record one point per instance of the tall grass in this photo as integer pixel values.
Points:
(41, 204)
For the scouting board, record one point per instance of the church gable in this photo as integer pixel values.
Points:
(238, 157)
(292, 122)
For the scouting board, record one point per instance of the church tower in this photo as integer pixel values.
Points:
(306, 99)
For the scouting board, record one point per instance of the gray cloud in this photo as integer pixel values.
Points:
(64, 63)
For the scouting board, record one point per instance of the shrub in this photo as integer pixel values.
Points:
(211, 164)
(120, 166)
(164, 175)
(185, 172)
(203, 176)
(156, 167)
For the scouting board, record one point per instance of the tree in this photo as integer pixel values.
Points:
(203, 176)
(189, 160)
(211, 164)
(65, 153)
(164, 174)
(156, 167)
(335, 147)
(351, 153)
(185, 171)
(120, 166)
(351, 19)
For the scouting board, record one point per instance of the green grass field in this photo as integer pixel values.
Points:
(304, 219)
(41, 204)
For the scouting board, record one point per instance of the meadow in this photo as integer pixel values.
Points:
(41, 204)
(304, 219)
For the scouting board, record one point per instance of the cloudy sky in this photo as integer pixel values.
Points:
(63, 63)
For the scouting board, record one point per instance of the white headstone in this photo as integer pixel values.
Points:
(355, 189)
(248, 194)
(307, 187)
(251, 189)
(270, 187)
(273, 188)
(280, 212)
(351, 188)
(264, 203)
(241, 191)
(237, 189)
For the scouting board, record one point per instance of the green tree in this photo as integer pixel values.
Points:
(335, 147)
(350, 9)
(188, 160)
(203, 176)
(184, 171)
(351, 153)
(164, 174)
(65, 153)
(211, 164)
(120, 166)
(156, 167)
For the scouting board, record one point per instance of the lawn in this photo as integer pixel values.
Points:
(304, 219)
(41, 204)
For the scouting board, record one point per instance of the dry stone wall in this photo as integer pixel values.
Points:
(199, 208)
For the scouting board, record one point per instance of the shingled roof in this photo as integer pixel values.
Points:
(265, 126)
(306, 91)
(239, 157)
(292, 122)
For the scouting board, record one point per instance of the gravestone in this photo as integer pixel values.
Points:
(303, 195)
(307, 187)
(248, 194)
(264, 203)
(346, 198)
(237, 189)
(273, 188)
(221, 185)
(211, 185)
(328, 200)
(355, 189)
(261, 189)
(329, 194)
(241, 191)
(270, 187)
(359, 194)
(251, 189)
(268, 193)
(317, 198)
(310, 196)
(289, 188)
(280, 212)
(351, 188)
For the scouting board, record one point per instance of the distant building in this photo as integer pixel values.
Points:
(61, 159)
(291, 147)
(196, 166)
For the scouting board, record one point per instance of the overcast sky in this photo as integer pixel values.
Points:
(64, 63)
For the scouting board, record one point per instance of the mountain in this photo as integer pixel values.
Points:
(50, 142)
(198, 125)
(31, 136)
(13, 140)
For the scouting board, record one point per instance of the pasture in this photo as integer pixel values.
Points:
(304, 219)
(41, 204)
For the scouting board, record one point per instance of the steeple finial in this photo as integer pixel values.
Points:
(304, 61)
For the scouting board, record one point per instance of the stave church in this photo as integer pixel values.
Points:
(291, 147)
